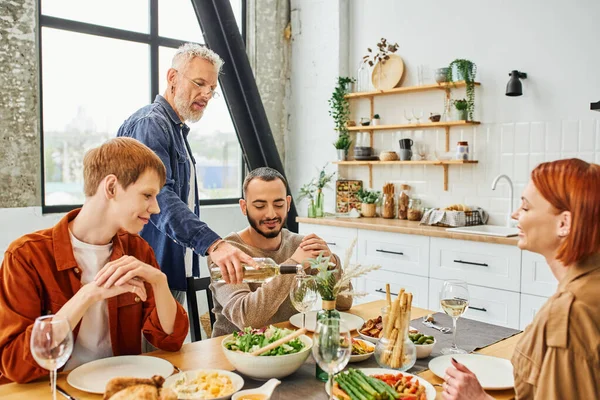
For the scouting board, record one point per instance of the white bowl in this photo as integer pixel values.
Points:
(236, 380)
(424, 350)
(368, 338)
(362, 357)
(267, 367)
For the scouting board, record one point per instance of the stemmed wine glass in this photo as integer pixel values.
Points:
(303, 295)
(332, 345)
(418, 115)
(51, 344)
(408, 116)
(454, 299)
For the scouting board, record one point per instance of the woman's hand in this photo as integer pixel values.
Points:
(126, 269)
(461, 383)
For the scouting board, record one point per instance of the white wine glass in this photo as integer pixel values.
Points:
(418, 114)
(408, 115)
(303, 295)
(51, 345)
(332, 345)
(454, 299)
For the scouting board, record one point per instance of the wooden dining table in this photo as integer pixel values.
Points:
(208, 354)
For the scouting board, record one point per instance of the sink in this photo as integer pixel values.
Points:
(489, 230)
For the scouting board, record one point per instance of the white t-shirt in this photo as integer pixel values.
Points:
(189, 253)
(93, 340)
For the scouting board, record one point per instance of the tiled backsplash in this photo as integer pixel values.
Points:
(513, 149)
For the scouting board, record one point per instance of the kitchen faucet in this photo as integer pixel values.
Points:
(510, 195)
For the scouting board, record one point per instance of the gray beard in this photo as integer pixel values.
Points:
(185, 111)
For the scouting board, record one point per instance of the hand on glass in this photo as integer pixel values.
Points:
(461, 383)
(123, 271)
(230, 260)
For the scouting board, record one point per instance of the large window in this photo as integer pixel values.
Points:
(98, 67)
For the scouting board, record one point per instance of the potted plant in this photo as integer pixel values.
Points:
(369, 200)
(376, 120)
(342, 144)
(339, 104)
(465, 71)
(462, 107)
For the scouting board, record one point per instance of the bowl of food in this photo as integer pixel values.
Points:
(423, 343)
(361, 350)
(372, 330)
(277, 363)
(200, 384)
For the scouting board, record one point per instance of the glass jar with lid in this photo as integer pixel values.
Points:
(415, 210)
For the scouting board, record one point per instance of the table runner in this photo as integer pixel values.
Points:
(472, 335)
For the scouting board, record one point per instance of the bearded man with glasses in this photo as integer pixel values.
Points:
(177, 234)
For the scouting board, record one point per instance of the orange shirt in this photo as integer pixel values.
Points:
(558, 356)
(39, 275)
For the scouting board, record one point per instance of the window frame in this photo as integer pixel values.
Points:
(154, 41)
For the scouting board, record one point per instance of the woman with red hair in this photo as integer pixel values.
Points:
(558, 356)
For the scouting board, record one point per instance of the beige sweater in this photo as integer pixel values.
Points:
(255, 304)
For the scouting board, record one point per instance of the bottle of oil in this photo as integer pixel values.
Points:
(265, 270)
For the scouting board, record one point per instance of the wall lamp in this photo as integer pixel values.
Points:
(514, 86)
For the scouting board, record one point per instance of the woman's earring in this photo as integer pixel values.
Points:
(564, 233)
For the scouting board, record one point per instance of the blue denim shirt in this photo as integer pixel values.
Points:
(176, 227)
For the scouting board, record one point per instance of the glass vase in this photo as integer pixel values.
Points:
(319, 205)
(312, 212)
(395, 350)
(363, 78)
(328, 311)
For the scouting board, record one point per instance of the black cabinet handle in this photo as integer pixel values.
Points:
(383, 291)
(390, 252)
(477, 308)
(330, 243)
(471, 263)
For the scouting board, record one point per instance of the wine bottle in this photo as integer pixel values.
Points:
(265, 270)
(328, 311)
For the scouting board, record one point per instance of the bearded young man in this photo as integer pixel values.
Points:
(266, 205)
(177, 234)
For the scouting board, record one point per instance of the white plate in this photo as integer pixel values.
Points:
(351, 321)
(429, 389)
(236, 380)
(362, 357)
(492, 372)
(375, 340)
(93, 376)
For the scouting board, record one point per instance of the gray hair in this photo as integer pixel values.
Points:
(190, 50)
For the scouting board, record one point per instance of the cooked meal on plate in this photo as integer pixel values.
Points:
(373, 328)
(203, 385)
(360, 347)
(354, 384)
(124, 388)
(249, 340)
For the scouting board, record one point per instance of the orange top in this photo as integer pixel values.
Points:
(39, 275)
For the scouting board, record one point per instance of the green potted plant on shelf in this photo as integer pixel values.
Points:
(339, 104)
(316, 186)
(369, 200)
(465, 71)
(462, 106)
(342, 144)
(376, 120)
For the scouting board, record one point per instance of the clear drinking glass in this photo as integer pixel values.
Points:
(51, 345)
(417, 114)
(454, 299)
(332, 345)
(408, 115)
(303, 295)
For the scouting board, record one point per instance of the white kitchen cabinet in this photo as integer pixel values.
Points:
(493, 265)
(530, 305)
(338, 239)
(536, 276)
(395, 252)
(498, 307)
(417, 285)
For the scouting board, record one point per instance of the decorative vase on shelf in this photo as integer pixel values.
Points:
(320, 204)
(462, 115)
(312, 212)
(368, 210)
(342, 154)
(362, 78)
(328, 311)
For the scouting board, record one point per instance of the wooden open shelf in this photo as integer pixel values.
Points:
(445, 164)
(410, 89)
(424, 125)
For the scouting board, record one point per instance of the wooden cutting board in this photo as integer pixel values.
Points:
(389, 75)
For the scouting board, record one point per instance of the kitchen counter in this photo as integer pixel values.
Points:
(403, 226)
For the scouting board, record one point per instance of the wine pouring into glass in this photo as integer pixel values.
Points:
(454, 299)
(303, 295)
(51, 345)
(332, 345)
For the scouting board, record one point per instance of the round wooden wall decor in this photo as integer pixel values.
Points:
(389, 75)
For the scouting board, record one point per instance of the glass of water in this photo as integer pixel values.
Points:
(51, 345)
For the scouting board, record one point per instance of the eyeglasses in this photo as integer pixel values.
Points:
(204, 88)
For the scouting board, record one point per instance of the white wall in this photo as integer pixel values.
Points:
(16, 222)
(553, 41)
